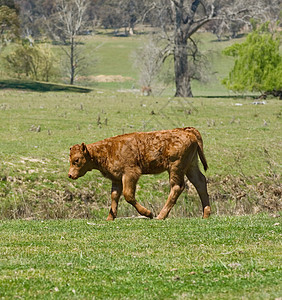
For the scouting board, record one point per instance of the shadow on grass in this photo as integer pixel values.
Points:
(230, 96)
(40, 86)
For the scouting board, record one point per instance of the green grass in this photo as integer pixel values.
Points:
(243, 131)
(109, 55)
(242, 140)
(224, 257)
(114, 56)
(219, 258)
(242, 146)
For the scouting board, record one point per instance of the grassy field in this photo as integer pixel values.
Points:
(40, 121)
(108, 55)
(184, 257)
(242, 145)
(219, 258)
(115, 56)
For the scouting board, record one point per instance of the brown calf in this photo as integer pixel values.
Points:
(146, 90)
(124, 158)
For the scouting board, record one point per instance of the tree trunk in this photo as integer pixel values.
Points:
(181, 69)
(72, 65)
(181, 35)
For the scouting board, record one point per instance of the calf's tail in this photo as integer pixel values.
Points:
(202, 155)
(200, 148)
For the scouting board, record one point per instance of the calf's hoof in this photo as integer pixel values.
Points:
(110, 218)
(160, 217)
(207, 212)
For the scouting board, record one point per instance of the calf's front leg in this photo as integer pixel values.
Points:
(129, 182)
(115, 195)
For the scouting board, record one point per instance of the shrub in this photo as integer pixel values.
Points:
(258, 63)
(33, 61)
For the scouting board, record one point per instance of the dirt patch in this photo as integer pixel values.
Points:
(105, 78)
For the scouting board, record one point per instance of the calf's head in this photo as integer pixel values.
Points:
(80, 161)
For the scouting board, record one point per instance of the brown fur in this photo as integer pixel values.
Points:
(146, 90)
(124, 158)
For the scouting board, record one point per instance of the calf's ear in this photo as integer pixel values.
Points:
(84, 148)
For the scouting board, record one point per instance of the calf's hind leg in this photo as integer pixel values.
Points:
(176, 188)
(200, 183)
(115, 195)
(129, 182)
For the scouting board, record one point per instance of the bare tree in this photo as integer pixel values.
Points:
(66, 25)
(123, 13)
(181, 19)
(148, 61)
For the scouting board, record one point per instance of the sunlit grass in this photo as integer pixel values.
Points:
(241, 140)
(226, 258)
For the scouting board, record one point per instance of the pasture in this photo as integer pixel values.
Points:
(54, 240)
(242, 143)
(218, 258)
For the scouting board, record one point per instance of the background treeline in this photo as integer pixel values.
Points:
(172, 46)
(124, 15)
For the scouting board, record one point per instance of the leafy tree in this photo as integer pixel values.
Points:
(181, 19)
(32, 61)
(258, 63)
